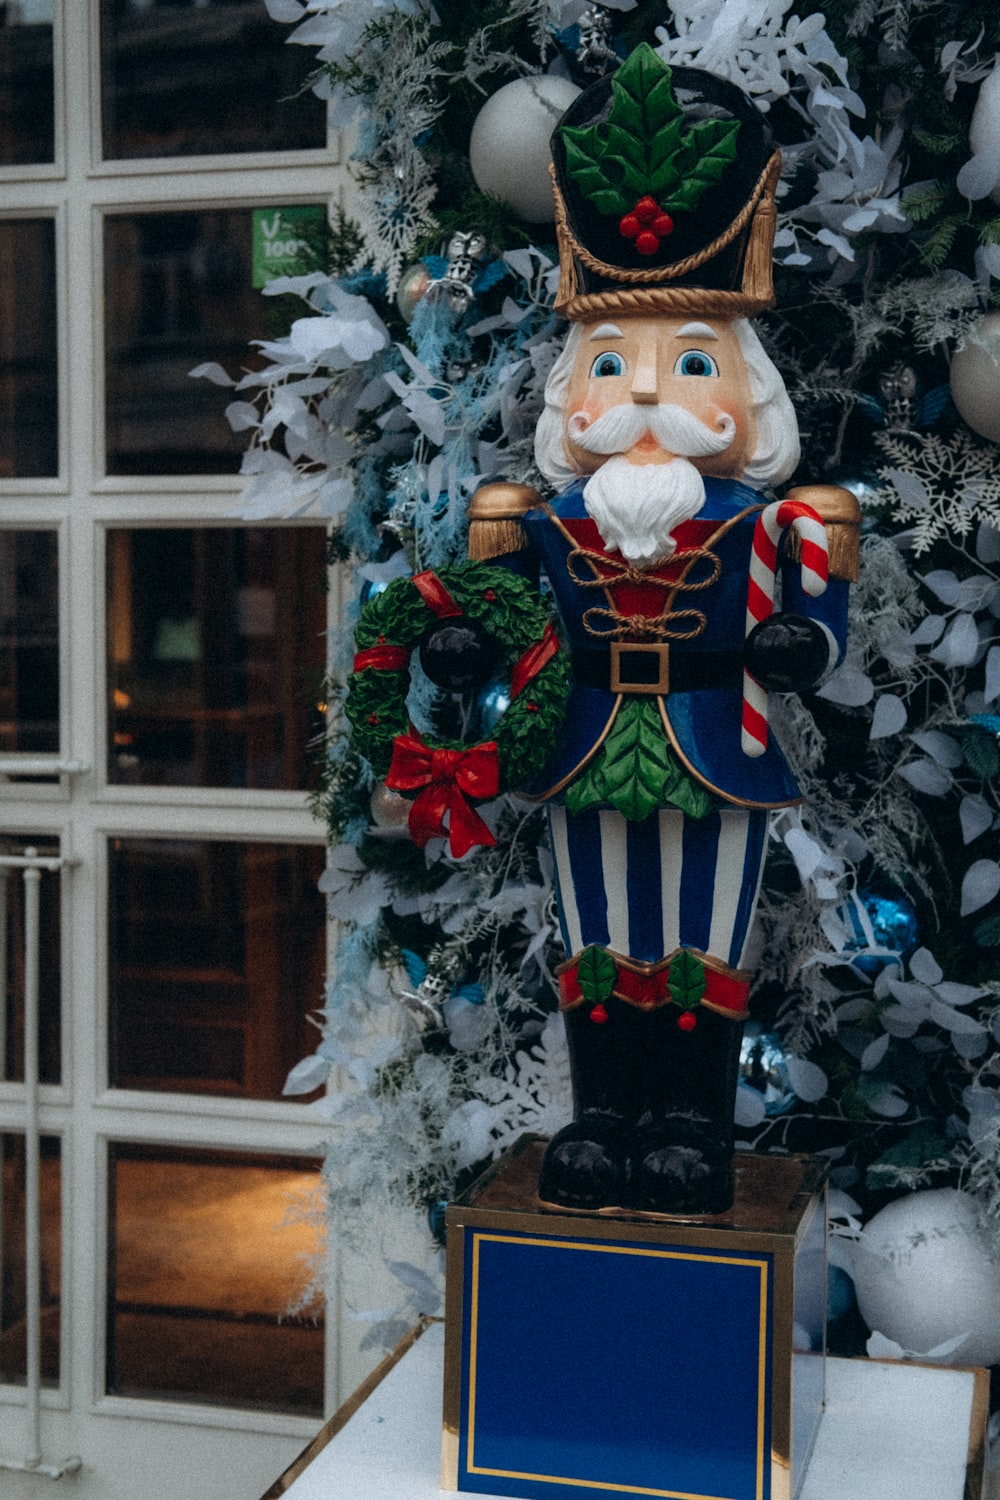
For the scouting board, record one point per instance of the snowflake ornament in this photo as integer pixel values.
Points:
(944, 485)
(534, 1093)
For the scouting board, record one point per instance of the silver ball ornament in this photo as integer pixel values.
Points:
(975, 378)
(414, 285)
(509, 149)
(389, 810)
(764, 1068)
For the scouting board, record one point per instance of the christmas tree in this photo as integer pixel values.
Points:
(413, 372)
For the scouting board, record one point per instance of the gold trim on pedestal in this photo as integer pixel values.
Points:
(344, 1413)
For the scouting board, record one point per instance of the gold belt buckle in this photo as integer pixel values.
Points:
(640, 667)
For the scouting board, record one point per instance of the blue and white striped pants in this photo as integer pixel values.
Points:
(645, 889)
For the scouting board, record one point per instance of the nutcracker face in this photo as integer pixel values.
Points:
(642, 375)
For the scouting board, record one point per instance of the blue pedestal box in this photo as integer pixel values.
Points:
(613, 1354)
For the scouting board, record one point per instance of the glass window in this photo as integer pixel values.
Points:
(179, 291)
(201, 79)
(13, 1328)
(216, 655)
(29, 438)
(29, 643)
(12, 965)
(27, 94)
(216, 957)
(210, 1252)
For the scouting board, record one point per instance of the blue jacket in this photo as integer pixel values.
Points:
(701, 611)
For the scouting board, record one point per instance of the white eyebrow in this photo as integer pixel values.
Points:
(696, 331)
(607, 331)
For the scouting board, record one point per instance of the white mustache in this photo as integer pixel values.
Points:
(673, 427)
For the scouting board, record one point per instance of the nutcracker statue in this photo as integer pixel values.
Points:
(686, 592)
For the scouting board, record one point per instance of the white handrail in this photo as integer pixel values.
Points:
(39, 765)
(31, 863)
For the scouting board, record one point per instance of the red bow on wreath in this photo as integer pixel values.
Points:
(448, 778)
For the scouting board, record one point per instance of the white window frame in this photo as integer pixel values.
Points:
(80, 807)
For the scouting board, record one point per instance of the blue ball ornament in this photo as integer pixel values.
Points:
(492, 702)
(839, 1293)
(435, 1220)
(894, 926)
(371, 587)
(764, 1068)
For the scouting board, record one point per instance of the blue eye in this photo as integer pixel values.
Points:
(696, 362)
(607, 364)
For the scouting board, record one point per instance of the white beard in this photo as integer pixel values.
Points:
(637, 506)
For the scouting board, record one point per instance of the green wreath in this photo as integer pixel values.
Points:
(446, 776)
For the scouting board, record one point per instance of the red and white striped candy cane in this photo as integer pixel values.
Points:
(772, 522)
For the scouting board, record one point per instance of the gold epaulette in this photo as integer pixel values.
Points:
(841, 514)
(495, 512)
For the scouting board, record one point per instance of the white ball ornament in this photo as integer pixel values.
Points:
(509, 149)
(984, 128)
(975, 378)
(925, 1271)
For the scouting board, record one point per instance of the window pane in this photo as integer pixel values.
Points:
(27, 121)
(216, 959)
(29, 446)
(179, 292)
(13, 1328)
(29, 643)
(206, 1260)
(12, 964)
(216, 652)
(195, 80)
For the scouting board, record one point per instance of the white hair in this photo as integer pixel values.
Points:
(777, 449)
(550, 450)
(777, 452)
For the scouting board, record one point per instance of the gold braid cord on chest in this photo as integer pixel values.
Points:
(668, 624)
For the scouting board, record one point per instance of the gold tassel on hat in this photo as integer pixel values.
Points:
(758, 273)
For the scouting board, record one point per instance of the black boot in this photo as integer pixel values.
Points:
(682, 1152)
(586, 1164)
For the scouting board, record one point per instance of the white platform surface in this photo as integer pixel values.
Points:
(890, 1432)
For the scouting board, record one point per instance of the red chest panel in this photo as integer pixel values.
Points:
(631, 596)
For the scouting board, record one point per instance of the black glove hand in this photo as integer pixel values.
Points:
(787, 653)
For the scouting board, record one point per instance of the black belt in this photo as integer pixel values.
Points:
(641, 670)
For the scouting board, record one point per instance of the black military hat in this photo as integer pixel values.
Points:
(664, 181)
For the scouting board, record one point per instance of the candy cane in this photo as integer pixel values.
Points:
(772, 522)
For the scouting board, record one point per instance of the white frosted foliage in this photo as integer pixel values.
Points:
(979, 885)
(889, 716)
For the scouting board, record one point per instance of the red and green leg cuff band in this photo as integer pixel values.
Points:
(684, 978)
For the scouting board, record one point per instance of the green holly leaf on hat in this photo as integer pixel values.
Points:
(644, 146)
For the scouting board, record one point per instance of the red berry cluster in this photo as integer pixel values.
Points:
(647, 224)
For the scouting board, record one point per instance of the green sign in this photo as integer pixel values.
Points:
(285, 241)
